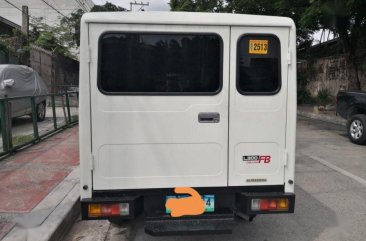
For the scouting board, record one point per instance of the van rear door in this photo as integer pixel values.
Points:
(159, 105)
(258, 102)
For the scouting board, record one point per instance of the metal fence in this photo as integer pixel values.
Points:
(17, 133)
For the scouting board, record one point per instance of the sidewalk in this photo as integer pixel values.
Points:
(39, 188)
(327, 116)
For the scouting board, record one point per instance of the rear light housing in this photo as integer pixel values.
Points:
(266, 202)
(108, 209)
(121, 208)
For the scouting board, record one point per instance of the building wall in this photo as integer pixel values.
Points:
(37, 8)
(331, 73)
(41, 61)
(57, 71)
(5, 29)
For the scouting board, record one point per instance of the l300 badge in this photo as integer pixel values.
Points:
(251, 159)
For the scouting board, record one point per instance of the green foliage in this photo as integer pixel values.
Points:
(260, 7)
(303, 95)
(336, 15)
(197, 5)
(4, 45)
(347, 19)
(289, 8)
(47, 40)
(181, 5)
(57, 39)
(19, 140)
(323, 97)
(15, 45)
(344, 18)
(107, 7)
(63, 37)
(72, 24)
(60, 38)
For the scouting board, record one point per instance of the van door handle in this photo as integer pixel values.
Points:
(209, 117)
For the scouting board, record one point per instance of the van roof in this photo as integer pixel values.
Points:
(188, 18)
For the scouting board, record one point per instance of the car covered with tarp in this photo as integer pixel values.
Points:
(21, 80)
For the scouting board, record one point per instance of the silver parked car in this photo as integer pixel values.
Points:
(20, 80)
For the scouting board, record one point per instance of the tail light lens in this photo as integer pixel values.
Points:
(270, 204)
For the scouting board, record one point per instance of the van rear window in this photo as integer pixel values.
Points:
(169, 63)
(259, 65)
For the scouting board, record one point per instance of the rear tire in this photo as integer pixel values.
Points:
(356, 129)
(41, 111)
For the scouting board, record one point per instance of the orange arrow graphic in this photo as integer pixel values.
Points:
(193, 205)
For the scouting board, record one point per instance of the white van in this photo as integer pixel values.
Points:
(173, 99)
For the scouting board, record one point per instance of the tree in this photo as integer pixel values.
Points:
(60, 38)
(289, 8)
(347, 19)
(73, 23)
(57, 39)
(197, 5)
(13, 44)
(64, 36)
(107, 7)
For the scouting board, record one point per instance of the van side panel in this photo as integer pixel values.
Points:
(291, 113)
(85, 115)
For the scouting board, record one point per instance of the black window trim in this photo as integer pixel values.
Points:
(161, 93)
(279, 65)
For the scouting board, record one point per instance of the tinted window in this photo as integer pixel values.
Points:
(259, 69)
(138, 63)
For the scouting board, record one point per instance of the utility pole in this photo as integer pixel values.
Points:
(142, 4)
(24, 56)
(25, 21)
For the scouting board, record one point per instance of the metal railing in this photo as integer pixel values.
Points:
(56, 101)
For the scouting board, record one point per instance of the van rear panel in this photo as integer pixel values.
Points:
(159, 134)
(187, 100)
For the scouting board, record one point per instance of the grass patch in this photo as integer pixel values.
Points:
(323, 97)
(74, 118)
(19, 140)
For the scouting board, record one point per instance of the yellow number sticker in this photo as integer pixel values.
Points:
(258, 46)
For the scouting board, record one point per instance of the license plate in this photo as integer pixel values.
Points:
(208, 199)
(258, 46)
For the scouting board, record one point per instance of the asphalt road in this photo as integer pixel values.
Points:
(330, 197)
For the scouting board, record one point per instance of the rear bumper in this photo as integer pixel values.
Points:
(151, 202)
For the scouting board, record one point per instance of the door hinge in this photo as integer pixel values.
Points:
(289, 57)
(92, 161)
(285, 158)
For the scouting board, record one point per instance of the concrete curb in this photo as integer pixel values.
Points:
(330, 119)
(52, 218)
